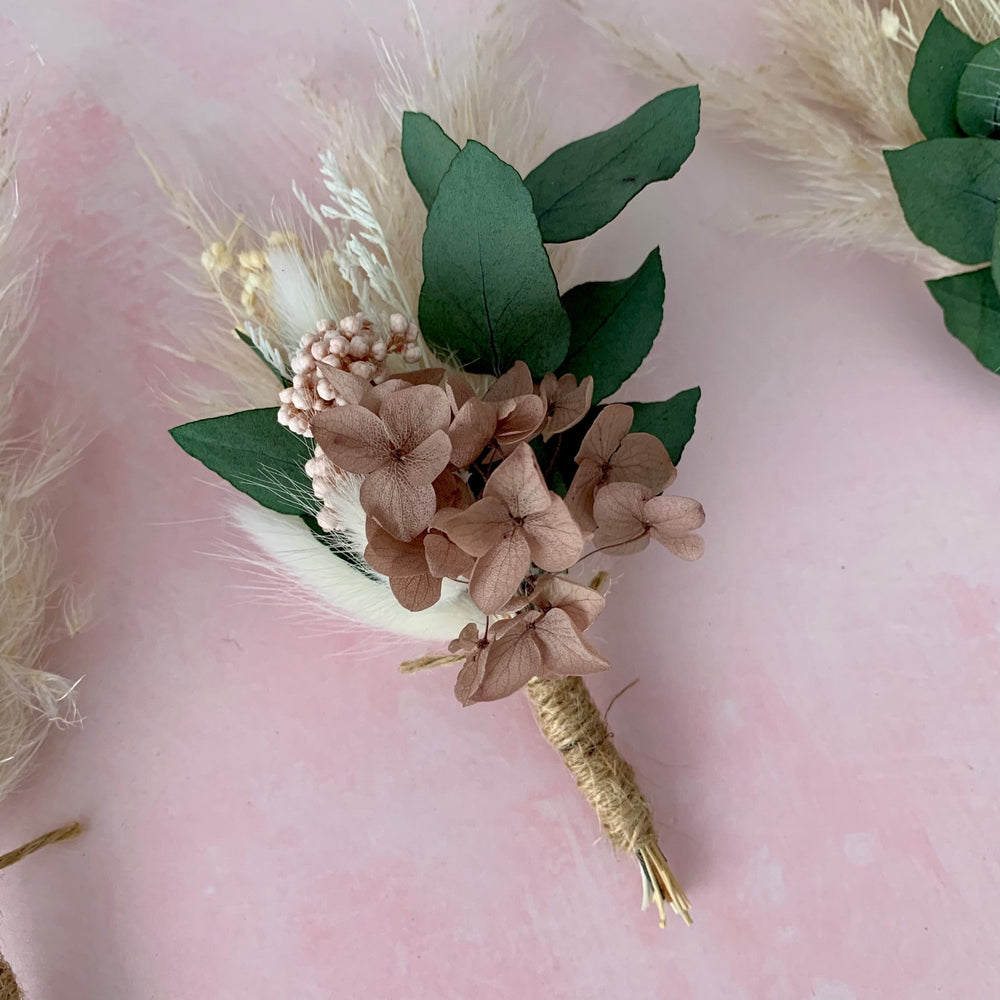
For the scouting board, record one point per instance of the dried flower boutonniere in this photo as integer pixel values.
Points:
(459, 462)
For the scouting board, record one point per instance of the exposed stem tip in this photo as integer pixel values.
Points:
(570, 721)
(67, 832)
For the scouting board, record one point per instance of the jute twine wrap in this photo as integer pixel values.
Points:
(570, 721)
(9, 988)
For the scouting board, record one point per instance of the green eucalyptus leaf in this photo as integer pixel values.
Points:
(672, 420)
(949, 189)
(489, 296)
(941, 59)
(972, 313)
(260, 354)
(584, 185)
(255, 453)
(613, 325)
(977, 106)
(427, 153)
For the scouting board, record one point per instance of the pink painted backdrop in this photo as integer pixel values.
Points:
(274, 812)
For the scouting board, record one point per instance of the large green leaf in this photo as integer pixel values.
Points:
(977, 106)
(949, 189)
(613, 325)
(972, 313)
(672, 420)
(584, 185)
(489, 296)
(941, 59)
(427, 153)
(255, 453)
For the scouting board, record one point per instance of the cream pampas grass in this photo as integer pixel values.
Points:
(357, 250)
(32, 699)
(830, 99)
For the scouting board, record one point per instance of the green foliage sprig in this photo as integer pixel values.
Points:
(949, 185)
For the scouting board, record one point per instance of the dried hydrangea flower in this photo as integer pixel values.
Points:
(628, 515)
(566, 403)
(609, 454)
(405, 564)
(520, 411)
(471, 675)
(518, 521)
(400, 451)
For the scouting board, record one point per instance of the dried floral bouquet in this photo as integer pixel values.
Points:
(460, 460)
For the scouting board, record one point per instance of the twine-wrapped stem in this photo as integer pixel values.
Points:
(570, 721)
(9, 988)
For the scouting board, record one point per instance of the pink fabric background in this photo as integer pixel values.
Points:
(273, 811)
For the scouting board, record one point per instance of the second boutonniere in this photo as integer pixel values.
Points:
(462, 463)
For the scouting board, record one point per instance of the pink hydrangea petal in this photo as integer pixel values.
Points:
(553, 536)
(499, 573)
(522, 422)
(378, 394)
(580, 495)
(392, 557)
(581, 603)
(641, 458)
(518, 483)
(687, 547)
(404, 510)
(516, 381)
(467, 639)
(511, 661)
(471, 431)
(478, 529)
(350, 388)
(413, 414)
(470, 677)
(459, 391)
(672, 515)
(352, 438)
(416, 593)
(619, 514)
(568, 402)
(424, 463)
(445, 558)
(606, 433)
(452, 491)
(422, 376)
(565, 653)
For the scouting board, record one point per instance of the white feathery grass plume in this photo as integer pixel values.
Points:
(824, 108)
(32, 699)
(360, 251)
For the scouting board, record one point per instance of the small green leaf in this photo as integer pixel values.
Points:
(972, 313)
(427, 153)
(613, 325)
(255, 453)
(672, 421)
(944, 53)
(584, 185)
(489, 295)
(978, 103)
(253, 347)
(949, 189)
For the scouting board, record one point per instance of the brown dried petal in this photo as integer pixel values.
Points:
(478, 529)
(413, 414)
(522, 423)
(566, 402)
(553, 536)
(391, 556)
(518, 483)
(352, 438)
(513, 659)
(470, 678)
(428, 459)
(515, 382)
(580, 495)
(459, 391)
(619, 513)
(422, 376)
(606, 433)
(565, 653)
(445, 558)
(404, 510)
(416, 593)
(471, 431)
(467, 639)
(642, 458)
(581, 603)
(499, 573)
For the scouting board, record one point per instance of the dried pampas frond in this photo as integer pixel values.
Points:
(358, 251)
(833, 98)
(32, 699)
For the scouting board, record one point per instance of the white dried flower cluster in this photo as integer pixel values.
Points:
(353, 345)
